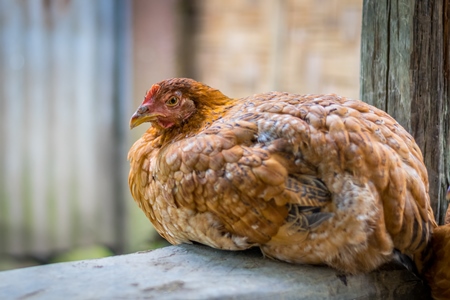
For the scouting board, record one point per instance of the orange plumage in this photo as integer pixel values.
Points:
(317, 179)
(437, 268)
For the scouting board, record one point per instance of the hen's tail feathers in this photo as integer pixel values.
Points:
(307, 197)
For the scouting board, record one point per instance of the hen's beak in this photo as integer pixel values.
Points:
(142, 115)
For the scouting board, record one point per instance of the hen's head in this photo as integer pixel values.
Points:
(176, 101)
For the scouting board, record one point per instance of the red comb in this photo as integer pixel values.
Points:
(151, 92)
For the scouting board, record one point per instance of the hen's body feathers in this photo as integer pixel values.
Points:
(437, 265)
(437, 272)
(316, 179)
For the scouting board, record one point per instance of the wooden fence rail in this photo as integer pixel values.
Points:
(62, 88)
(405, 70)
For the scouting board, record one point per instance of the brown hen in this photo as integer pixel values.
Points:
(314, 179)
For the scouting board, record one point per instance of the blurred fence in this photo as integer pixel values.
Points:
(300, 46)
(63, 81)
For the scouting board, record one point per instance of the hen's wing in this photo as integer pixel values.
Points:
(221, 180)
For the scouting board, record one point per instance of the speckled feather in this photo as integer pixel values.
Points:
(317, 179)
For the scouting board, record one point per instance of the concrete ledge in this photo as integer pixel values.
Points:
(198, 272)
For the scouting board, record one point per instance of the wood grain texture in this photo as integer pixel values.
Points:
(198, 272)
(405, 71)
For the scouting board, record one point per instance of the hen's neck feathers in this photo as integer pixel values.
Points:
(210, 104)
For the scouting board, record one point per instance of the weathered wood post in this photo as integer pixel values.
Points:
(405, 70)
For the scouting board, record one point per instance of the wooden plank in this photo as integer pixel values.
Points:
(13, 126)
(405, 71)
(104, 111)
(430, 99)
(85, 131)
(200, 272)
(122, 107)
(63, 146)
(36, 110)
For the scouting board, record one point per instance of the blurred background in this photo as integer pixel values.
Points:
(73, 71)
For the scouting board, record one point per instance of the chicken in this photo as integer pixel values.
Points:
(310, 179)
(437, 269)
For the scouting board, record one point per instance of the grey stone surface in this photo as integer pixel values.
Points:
(198, 272)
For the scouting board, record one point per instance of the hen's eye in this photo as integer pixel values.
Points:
(172, 101)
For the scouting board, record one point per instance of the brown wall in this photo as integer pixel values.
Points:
(244, 47)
